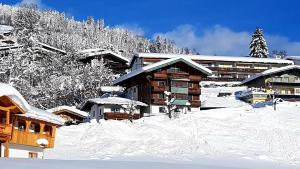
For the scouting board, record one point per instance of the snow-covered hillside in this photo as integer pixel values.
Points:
(245, 132)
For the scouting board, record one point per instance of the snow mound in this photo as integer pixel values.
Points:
(244, 132)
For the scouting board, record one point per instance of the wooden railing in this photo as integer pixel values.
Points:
(30, 138)
(119, 116)
(194, 91)
(160, 76)
(159, 88)
(195, 103)
(5, 129)
(195, 78)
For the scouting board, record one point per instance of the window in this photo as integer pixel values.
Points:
(190, 97)
(285, 79)
(33, 155)
(34, 127)
(115, 109)
(179, 84)
(48, 130)
(297, 79)
(297, 91)
(162, 109)
(161, 83)
(20, 125)
(190, 85)
(161, 96)
(173, 70)
(276, 79)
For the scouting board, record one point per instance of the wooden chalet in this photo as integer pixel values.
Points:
(224, 68)
(114, 61)
(21, 126)
(281, 83)
(111, 107)
(180, 76)
(71, 115)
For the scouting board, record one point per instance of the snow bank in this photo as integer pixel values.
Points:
(244, 132)
(209, 97)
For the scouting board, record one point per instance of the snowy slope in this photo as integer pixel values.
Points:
(209, 97)
(243, 132)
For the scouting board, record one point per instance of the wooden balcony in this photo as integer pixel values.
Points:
(194, 91)
(159, 88)
(195, 103)
(5, 129)
(195, 78)
(30, 138)
(119, 116)
(158, 101)
(160, 76)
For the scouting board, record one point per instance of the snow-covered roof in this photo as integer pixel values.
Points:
(112, 89)
(293, 57)
(213, 58)
(161, 64)
(5, 29)
(116, 101)
(270, 71)
(70, 109)
(51, 47)
(30, 111)
(86, 53)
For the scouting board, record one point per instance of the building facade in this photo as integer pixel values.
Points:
(281, 83)
(179, 75)
(21, 126)
(224, 68)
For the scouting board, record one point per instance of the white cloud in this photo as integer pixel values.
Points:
(224, 41)
(38, 3)
(135, 28)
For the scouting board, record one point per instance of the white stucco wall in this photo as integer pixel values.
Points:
(21, 151)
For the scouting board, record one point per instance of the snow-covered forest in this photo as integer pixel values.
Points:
(48, 79)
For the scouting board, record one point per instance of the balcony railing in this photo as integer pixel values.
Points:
(195, 78)
(5, 129)
(195, 103)
(160, 76)
(159, 88)
(30, 138)
(119, 116)
(194, 91)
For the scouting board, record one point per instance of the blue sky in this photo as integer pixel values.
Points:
(222, 27)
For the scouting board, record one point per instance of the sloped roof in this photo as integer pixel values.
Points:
(70, 109)
(30, 111)
(87, 53)
(110, 100)
(271, 71)
(164, 63)
(214, 58)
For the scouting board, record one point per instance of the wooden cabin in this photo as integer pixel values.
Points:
(21, 126)
(224, 68)
(281, 83)
(180, 76)
(116, 62)
(71, 115)
(112, 108)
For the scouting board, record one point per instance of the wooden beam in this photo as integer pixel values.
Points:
(7, 117)
(6, 152)
(7, 108)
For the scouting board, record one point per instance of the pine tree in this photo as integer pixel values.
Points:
(258, 45)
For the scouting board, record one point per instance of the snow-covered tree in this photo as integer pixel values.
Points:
(169, 102)
(258, 45)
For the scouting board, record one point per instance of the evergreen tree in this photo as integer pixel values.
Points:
(258, 45)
